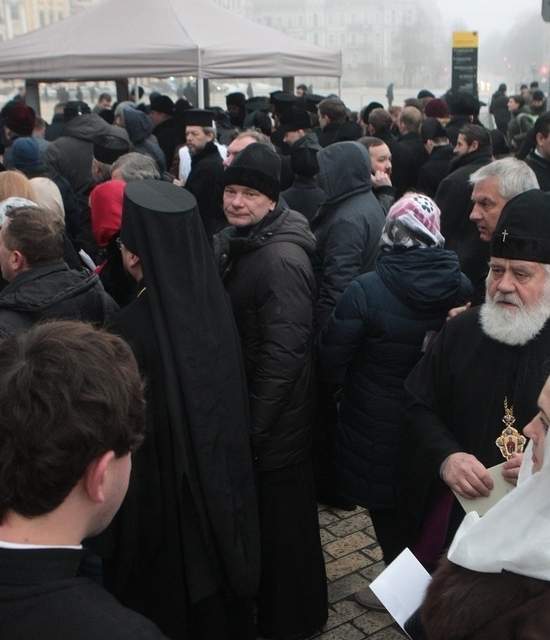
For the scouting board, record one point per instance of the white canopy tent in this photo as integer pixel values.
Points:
(160, 38)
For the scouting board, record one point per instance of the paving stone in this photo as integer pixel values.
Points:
(348, 564)
(327, 517)
(327, 557)
(373, 621)
(326, 537)
(350, 525)
(373, 571)
(374, 552)
(391, 633)
(343, 612)
(353, 542)
(345, 587)
(345, 632)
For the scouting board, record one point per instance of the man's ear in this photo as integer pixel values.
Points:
(474, 146)
(18, 262)
(95, 477)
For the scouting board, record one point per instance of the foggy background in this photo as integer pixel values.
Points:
(406, 42)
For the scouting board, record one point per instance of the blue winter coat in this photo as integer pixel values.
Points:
(374, 338)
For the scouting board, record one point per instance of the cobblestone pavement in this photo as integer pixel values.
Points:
(353, 559)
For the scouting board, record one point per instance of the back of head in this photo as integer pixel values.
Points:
(53, 425)
(19, 118)
(461, 104)
(14, 184)
(432, 129)
(366, 111)
(48, 196)
(334, 109)
(36, 233)
(502, 88)
(542, 125)
(474, 132)
(75, 108)
(380, 120)
(303, 157)
(436, 108)
(410, 119)
(135, 166)
(514, 176)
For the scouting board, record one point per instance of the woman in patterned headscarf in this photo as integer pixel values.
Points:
(374, 338)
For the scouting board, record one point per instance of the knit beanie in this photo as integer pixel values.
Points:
(436, 108)
(257, 167)
(19, 118)
(25, 155)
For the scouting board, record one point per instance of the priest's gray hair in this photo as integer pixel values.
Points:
(514, 177)
(135, 166)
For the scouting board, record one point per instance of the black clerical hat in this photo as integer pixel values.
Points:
(257, 167)
(295, 119)
(311, 101)
(198, 118)
(108, 148)
(162, 104)
(258, 103)
(523, 230)
(282, 101)
(236, 99)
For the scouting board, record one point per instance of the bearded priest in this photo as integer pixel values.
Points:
(478, 383)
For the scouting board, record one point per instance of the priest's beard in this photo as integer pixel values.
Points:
(517, 326)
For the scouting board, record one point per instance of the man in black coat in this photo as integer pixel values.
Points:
(499, 108)
(436, 143)
(332, 115)
(205, 181)
(411, 145)
(72, 412)
(162, 115)
(184, 547)
(454, 198)
(305, 195)
(539, 158)
(265, 261)
(41, 286)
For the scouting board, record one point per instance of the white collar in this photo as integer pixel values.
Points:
(16, 545)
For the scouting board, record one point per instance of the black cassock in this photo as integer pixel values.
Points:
(185, 544)
(456, 399)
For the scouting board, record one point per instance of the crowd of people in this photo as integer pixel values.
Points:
(213, 320)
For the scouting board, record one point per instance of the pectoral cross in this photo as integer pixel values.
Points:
(504, 235)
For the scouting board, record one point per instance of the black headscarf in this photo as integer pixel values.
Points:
(204, 379)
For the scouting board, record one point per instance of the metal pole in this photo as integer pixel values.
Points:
(200, 83)
(340, 87)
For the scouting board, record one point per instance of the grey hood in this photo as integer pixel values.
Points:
(138, 124)
(89, 126)
(344, 170)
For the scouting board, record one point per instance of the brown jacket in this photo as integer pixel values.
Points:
(464, 604)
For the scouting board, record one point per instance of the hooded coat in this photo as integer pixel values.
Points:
(348, 225)
(53, 292)
(267, 272)
(373, 339)
(140, 131)
(71, 154)
(541, 167)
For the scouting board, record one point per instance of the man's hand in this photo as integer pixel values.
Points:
(510, 470)
(381, 179)
(458, 310)
(465, 475)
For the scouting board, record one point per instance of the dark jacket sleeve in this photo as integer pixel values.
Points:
(343, 334)
(428, 389)
(343, 261)
(284, 304)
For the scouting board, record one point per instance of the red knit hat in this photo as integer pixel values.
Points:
(20, 118)
(436, 108)
(106, 210)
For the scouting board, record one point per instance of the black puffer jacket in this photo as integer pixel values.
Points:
(541, 167)
(53, 292)
(267, 272)
(348, 225)
(372, 341)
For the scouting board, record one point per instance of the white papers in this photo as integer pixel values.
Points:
(482, 505)
(401, 587)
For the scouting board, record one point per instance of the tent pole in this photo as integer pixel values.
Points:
(200, 83)
(32, 95)
(340, 87)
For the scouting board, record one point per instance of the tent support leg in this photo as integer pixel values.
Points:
(122, 92)
(340, 87)
(288, 84)
(32, 94)
(200, 92)
(206, 84)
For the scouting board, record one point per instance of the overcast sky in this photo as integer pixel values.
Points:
(486, 16)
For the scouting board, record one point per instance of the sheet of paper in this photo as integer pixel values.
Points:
(401, 586)
(500, 489)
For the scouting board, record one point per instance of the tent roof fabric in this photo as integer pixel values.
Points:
(127, 38)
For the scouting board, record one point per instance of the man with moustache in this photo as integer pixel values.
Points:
(483, 371)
